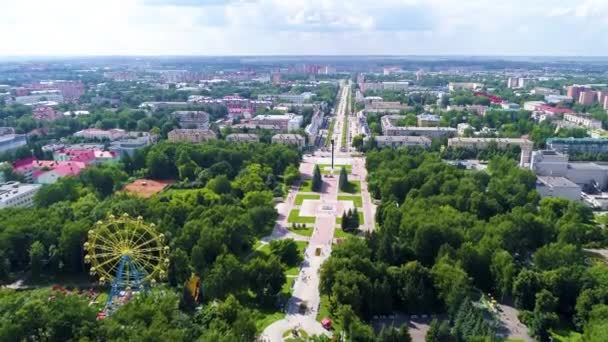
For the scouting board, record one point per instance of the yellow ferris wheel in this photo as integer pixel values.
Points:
(127, 253)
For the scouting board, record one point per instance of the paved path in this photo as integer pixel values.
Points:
(306, 285)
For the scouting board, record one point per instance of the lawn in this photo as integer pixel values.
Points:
(324, 312)
(286, 289)
(302, 231)
(306, 185)
(349, 168)
(357, 200)
(340, 234)
(361, 217)
(264, 319)
(301, 197)
(294, 217)
(353, 187)
(330, 132)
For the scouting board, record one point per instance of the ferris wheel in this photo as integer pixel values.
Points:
(127, 253)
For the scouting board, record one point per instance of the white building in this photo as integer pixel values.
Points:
(289, 139)
(243, 137)
(402, 141)
(33, 99)
(389, 128)
(583, 120)
(533, 105)
(453, 86)
(502, 143)
(561, 187)
(11, 141)
(288, 122)
(555, 99)
(555, 164)
(15, 194)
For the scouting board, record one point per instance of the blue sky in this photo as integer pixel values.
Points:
(327, 27)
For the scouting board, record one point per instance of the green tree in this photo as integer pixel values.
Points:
(439, 332)
(37, 254)
(287, 251)
(343, 180)
(317, 181)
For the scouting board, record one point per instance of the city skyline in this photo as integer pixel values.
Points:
(313, 27)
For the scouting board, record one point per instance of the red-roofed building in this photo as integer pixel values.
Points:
(87, 156)
(45, 113)
(549, 110)
(493, 98)
(47, 171)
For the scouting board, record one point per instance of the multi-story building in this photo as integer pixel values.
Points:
(289, 139)
(533, 105)
(389, 128)
(128, 146)
(45, 113)
(562, 187)
(453, 86)
(47, 171)
(192, 119)
(15, 194)
(601, 96)
(402, 141)
(587, 97)
(100, 134)
(555, 99)
(191, 135)
(393, 107)
(243, 137)
(288, 122)
(583, 120)
(502, 143)
(295, 98)
(155, 105)
(574, 91)
(605, 103)
(544, 91)
(554, 164)
(578, 145)
(428, 120)
(10, 141)
(38, 98)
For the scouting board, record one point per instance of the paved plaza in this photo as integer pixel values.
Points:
(326, 210)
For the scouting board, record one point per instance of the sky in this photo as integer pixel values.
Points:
(304, 27)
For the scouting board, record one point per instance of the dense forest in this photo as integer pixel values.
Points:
(221, 204)
(447, 235)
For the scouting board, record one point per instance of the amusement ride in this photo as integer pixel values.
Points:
(128, 254)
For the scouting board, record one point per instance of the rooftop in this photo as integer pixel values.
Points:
(561, 182)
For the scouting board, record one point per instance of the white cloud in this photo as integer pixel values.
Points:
(118, 27)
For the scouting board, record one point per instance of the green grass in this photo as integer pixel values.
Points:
(265, 319)
(357, 200)
(340, 234)
(330, 132)
(324, 312)
(301, 197)
(566, 336)
(353, 187)
(349, 168)
(306, 186)
(302, 231)
(294, 217)
(361, 217)
(286, 289)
